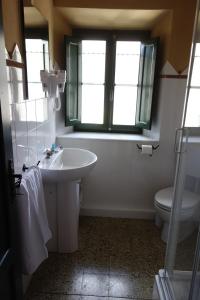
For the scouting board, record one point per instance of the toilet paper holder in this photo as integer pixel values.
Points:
(153, 147)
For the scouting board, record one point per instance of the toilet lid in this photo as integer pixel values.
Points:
(163, 199)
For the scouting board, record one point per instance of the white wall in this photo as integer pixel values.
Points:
(124, 182)
(33, 130)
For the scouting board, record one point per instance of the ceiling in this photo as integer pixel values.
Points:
(111, 18)
(98, 18)
(33, 18)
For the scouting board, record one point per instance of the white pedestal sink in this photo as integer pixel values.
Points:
(65, 169)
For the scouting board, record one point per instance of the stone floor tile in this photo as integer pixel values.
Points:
(46, 296)
(93, 298)
(143, 286)
(58, 282)
(137, 286)
(108, 246)
(116, 298)
(61, 285)
(121, 286)
(96, 263)
(71, 297)
(95, 285)
(121, 265)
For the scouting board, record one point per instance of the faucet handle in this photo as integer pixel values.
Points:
(48, 152)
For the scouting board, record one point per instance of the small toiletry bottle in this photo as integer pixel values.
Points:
(53, 146)
(57, 148)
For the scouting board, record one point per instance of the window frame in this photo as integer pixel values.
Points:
(110, 36)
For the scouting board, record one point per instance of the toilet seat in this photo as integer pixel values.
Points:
(163, 200)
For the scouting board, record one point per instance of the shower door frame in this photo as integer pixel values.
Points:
(181, 143)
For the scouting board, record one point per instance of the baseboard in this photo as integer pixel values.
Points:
(130, 214)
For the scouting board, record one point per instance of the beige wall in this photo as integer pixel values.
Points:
(175, 32)
(162, 29)
(174, 29)
(12, 24)
(45, 7)
(58, 27)
(181, 34)
(125, 4)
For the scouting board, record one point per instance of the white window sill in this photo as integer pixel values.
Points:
(107, 136)
(193, 140)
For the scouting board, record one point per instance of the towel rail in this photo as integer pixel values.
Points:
(18, 177)
(24, 167)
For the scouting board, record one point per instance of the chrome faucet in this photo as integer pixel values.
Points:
(48, 152)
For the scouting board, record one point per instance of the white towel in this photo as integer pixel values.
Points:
(38, 192)
(33, 224)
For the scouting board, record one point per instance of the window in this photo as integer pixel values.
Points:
(93, 81)
(110, 82)
(126, 81)
(193, 107)
(37, 58)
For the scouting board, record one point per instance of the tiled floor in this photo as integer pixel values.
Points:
(117, 259)
(185, 253)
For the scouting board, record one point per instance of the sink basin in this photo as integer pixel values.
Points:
(68, 164)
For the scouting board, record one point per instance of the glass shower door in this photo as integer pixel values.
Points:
(184, 227)
(195, 284)
(182, 264)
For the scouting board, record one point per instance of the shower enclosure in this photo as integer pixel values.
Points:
(180, 278)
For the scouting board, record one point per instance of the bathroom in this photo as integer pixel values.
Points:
(123, 245)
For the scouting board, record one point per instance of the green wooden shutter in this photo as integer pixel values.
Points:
(73, 84)
(146, 83)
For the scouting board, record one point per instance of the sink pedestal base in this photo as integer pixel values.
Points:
(68, 207)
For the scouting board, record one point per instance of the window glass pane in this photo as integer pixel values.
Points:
(35, 90)
(93, 61)
(197, 49)
(94, 46)
(30, 111)
(124, 105)
(34, 45)
(35, 63)
(195, 80)
(127, 62)
(193, 109)
(92, 104)
(46, 57)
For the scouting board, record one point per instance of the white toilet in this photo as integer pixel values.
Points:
(189, 213)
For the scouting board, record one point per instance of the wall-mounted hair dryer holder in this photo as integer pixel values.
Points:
(53, 83)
